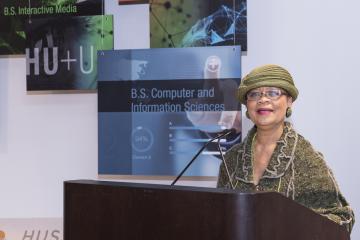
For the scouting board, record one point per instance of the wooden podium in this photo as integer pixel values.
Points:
(97, 210)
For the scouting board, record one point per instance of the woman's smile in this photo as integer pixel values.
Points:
(264, 111)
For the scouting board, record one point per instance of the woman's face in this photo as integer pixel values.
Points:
(267, 106)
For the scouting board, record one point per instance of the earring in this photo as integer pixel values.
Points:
(247, 114)
(288, 112)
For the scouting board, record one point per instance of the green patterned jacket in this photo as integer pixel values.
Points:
(295, 169)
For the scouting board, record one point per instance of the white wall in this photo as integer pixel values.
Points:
(45, 139)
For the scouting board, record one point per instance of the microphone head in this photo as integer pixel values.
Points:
(228, 131)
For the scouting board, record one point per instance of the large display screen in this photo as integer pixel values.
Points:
(15, 15)
(61, 53)
(158, 107)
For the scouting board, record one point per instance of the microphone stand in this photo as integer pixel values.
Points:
(225, 164)
(226, 132)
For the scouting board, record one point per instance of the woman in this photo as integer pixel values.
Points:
(274, 157)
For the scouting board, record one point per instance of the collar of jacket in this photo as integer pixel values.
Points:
(280, 160)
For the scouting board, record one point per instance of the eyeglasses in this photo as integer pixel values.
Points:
(272, 94)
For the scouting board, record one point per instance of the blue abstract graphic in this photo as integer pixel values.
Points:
(178, 23)
(220, 28)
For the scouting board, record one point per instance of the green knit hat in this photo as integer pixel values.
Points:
(267, 76)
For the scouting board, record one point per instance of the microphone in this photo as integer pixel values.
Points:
(220, 135)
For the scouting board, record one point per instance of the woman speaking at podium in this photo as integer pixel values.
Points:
(274, 157)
